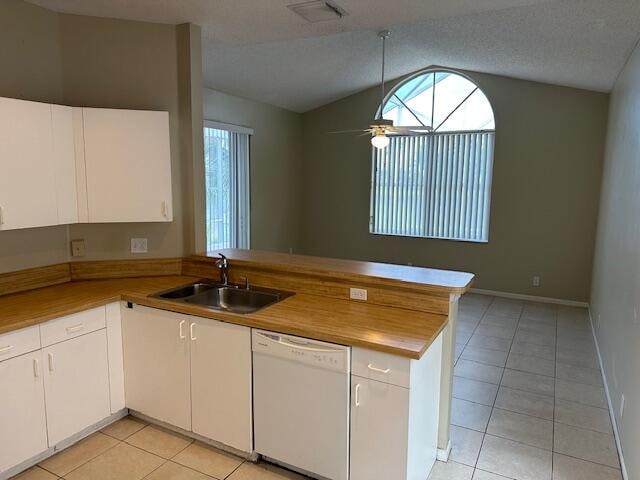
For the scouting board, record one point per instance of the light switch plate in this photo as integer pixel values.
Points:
(78, 248)
(139, 245)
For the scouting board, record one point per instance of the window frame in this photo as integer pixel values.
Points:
(379, 112)
(238, 129)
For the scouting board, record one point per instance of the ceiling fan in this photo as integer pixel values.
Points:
(381, 129)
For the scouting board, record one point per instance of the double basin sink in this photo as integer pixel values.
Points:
(218, 296)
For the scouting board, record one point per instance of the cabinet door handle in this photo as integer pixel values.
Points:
(6, 349)
(378, 370)
(1, 216)
(164, 210)
(50, 357)
(192, 331)
(357, 402)
(182, 335)
(36, 368)
(75, 328)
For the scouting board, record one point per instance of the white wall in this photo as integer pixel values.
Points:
(615, 295)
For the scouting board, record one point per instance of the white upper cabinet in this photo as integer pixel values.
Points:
(128, 165)
(28, 195)
(61, 165)
(64, 163)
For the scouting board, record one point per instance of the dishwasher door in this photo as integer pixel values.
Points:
(301, 403)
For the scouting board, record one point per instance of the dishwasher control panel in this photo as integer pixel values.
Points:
(302, 350)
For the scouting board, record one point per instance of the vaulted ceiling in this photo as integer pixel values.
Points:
(261, 50)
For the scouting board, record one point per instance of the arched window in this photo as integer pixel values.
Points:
(438, 184)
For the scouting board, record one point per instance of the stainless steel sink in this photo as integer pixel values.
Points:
(185, 291)
(232, 298)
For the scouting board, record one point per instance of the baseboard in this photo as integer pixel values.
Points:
(616, 433)
(530, 298)
(443, 453)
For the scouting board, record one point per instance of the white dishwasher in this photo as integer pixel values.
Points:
(301, 403)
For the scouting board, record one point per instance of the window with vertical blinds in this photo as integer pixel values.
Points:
(226, 160)
(435, 185)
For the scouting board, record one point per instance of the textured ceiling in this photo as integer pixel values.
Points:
(259, 49)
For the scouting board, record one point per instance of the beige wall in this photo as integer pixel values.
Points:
(121, 64)
(615, 296)
(275, 166)
(547, 167)
(88, 61)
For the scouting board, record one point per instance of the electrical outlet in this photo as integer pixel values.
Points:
(358, 294)
(78, 248)
(622, 406)
(139, 245)
(536, 281)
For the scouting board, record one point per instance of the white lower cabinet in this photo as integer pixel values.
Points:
(394, 414)
(23, 426)
(76, 384)
(221, 382)
(156, 362)
(192, 373)
(379, 417)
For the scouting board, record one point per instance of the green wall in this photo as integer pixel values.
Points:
(547, 168)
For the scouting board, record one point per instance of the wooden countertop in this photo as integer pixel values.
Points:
(429, 280)
(398, 331)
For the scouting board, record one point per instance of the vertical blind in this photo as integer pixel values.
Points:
(226, 160)
(435, 186)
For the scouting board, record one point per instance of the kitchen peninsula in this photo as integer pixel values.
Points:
(398, 331)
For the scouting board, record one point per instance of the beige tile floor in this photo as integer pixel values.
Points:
(529, 404)
(132, 450)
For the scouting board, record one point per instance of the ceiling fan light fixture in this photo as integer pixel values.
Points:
(380, 141)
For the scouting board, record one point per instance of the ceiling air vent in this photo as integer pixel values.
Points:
(318, 11)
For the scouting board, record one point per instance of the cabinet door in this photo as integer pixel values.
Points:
(156, 364)
(64, 162)
(76, 384)
(221, 382)
(23, 428)
(128, 165)
(27, 185)
(379, 430)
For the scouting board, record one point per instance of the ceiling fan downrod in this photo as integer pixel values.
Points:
(383, 35)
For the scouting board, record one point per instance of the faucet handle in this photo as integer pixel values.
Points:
(246, 282)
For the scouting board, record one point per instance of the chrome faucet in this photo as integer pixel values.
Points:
(223, 265)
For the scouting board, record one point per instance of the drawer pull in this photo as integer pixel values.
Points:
(6, 349)
(75, 328)
(378, 370)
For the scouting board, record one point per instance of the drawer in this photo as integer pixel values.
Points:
(19, 342)
(382, 367)
(72, 326)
